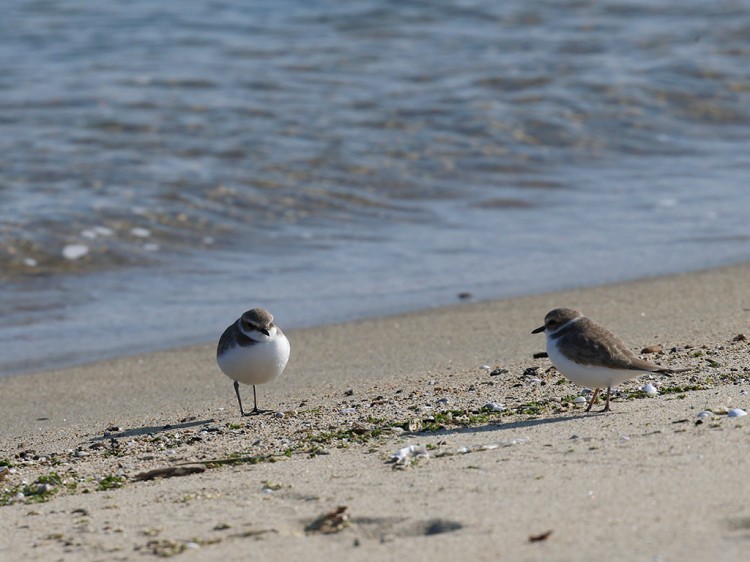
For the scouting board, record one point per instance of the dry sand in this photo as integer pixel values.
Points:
(644, 482)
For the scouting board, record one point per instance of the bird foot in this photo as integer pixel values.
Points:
(257, 412)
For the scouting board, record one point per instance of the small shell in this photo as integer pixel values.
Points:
(494, 407)
(649, 389)
(407, 455)
(140, 232)
(535, 381)
(736, 413)
(74, 251)
(705, 414)
(579, 400)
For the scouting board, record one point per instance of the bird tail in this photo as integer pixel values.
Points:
(670, 372)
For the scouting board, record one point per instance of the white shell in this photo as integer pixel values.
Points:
(649, 389)
(579, 400)
(535, 381)
(74, 251)
(104, 230)
(140, 232)
(407, 455)
(494, 407)
(736, 413)
(705, 414)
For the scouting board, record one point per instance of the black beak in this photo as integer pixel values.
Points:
(265, 332)
(539, 330)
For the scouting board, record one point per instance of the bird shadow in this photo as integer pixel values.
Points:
(525, 424)
(149, 430)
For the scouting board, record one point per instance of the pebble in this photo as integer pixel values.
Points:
(279, 415)
(442, 401)
(736, 413)
(74, 251)
(705, 414)
(579, 400)
(82, 454)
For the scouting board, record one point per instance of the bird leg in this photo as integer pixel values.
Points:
(606, 406)
(593, 399)
(255, 411)
(237, 392)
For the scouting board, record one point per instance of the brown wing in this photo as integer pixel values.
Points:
(592, 344)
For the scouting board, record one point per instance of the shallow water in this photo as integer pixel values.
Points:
(164, 166)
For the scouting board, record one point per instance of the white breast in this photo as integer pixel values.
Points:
(256, 364)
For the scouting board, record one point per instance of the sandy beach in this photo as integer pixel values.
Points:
(531, 478)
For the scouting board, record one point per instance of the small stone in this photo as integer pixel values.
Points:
(498, 372)
(82, 454)
(740, 337)
(579, 400)
(652, 349)
(278, 414)
(736, 413)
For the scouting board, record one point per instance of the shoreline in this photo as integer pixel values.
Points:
(354, 393)
(70, 360)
